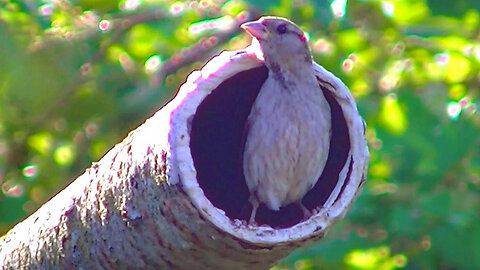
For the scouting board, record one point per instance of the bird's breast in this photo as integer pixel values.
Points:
(287, 142)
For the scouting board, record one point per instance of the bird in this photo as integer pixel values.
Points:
(288, 129)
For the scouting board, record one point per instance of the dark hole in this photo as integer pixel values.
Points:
(337, 156)
(347, 179)
(217, 141)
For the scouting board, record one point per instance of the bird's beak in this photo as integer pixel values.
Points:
(256, 29)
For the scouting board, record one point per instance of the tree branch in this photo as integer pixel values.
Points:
(142, 205)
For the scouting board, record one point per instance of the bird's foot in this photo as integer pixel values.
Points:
(252, 216)
(255, 205)
(306, 213)
(315, 211)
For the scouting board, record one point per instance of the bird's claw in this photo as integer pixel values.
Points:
(255, 205)
(306, 213)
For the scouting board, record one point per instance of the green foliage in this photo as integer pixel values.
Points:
(76, 76)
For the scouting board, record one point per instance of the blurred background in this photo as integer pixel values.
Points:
(76, 76)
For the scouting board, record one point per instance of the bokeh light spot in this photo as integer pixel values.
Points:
(126, 61)
(104, 25)
(457, 68)
(400, 260)
(375, 258)
(471, 109)
(361, 259)
(322, 46)
(242, 17)
(388, 82)
(360, 88)
(89, 18)
(408, 64)
(392, 115)
(64, 155)
(12, 189)
(398, 48)
(46, 9)
(457, 91)
(453, 109)
(388, 8)
(347, 65)
(130, 4)
(476, 52)
(177, 8)
(40, 142)
(426, 243)
(376, 144)
(153, 64)
(91, 129)
(464, 102)
(339, 8)
(204, 4)
(37, 194)
(85, 69)
(30, 171)
(442, 58)
(381, 170)
(98, 149)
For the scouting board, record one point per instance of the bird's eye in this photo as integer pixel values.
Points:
(281, 29)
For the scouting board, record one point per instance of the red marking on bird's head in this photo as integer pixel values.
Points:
(303, 38)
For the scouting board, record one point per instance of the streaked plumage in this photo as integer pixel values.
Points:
(289, 126)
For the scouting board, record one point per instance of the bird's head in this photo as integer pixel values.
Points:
(282, 42)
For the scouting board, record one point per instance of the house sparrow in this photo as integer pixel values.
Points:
(289, 127)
